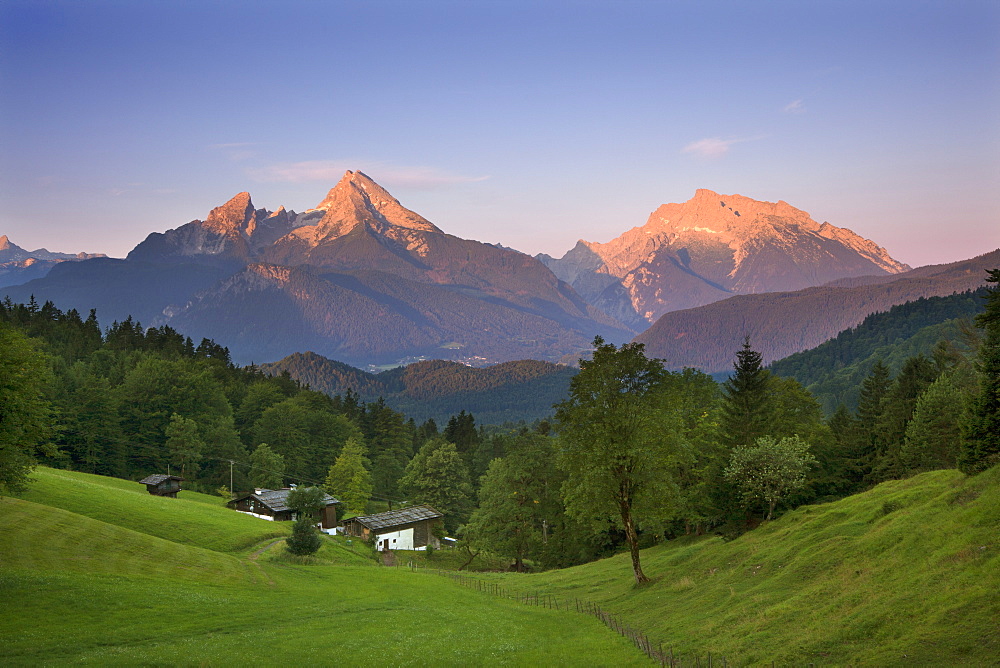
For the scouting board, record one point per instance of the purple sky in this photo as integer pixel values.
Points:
(530, 124)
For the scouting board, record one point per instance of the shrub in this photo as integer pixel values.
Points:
(304, 539)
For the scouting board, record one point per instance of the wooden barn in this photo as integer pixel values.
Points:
(404, 529)
(161, 484)
(271, 504)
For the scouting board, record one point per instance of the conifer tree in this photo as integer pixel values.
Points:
(917, 374)
(747, 405)
(981, 443)
(871, 405)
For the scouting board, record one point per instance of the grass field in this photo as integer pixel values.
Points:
(905, 574)
(95, 572)
(99, 572)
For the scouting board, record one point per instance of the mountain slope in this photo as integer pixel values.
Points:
(834, 370)
(783, 323)
(507, 392)
(711, 247)
(904, 574)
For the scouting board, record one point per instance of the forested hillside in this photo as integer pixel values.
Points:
(834, 370)
(510, 392)
(782, 323)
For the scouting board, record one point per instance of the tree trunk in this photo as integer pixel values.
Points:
(633, 544)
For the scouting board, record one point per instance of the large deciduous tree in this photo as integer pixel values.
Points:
(267, 467)
(517, 500)
(25, 414)
(617, 451)
(349, 479)
(437, 476)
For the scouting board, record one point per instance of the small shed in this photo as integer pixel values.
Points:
(272, 504)
(161, 484)
(403, 529)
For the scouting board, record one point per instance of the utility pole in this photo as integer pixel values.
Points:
(232, 494)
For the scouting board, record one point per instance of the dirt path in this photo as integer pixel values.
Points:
(253, 556)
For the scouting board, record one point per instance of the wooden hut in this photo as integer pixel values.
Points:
(403, 529)
(161, 484)
(272, 504)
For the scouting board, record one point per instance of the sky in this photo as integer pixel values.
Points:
(530, 124)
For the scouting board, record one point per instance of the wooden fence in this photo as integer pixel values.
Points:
(655, 651)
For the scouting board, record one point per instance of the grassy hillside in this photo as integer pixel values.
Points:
(905, 574)
(129, 579)
(200, 520)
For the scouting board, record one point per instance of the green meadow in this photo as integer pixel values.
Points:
(905, 574)
(96, 571)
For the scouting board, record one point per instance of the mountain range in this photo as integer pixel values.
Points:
(366, 281)
(18, 265)
(359, 278)
(712, 247)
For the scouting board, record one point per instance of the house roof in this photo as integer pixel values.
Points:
(157, 478)
(277, 499)
(393, 518)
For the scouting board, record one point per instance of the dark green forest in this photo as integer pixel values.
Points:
(632, 454)
(834, 370)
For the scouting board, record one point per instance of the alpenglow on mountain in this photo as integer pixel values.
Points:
(359, 279)
(18, 265)
(712, 247)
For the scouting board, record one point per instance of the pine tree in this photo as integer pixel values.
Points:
(871, 405)
(747, 405)
(917, 374)
(981, 443)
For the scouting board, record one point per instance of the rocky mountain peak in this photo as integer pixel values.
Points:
(236, 215)
(4, 243)
(713, 246)
(358, 200)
